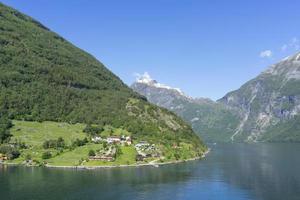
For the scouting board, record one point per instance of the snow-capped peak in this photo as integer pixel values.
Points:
(146, 79)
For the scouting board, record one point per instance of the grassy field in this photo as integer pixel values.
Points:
(127, 157)
(73, 158)
(108, 131)
(34, 134)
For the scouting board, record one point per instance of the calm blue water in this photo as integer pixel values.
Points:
(231, 171)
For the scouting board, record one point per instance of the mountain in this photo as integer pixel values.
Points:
(266, 108)
(213, 121)
(269, 104)
(43, 77)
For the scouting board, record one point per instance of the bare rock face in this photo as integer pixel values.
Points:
(157, 93)
(269, 104)
(211, 120)
(266, 108)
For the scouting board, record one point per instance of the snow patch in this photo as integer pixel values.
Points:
(271, 70)
(146, 79)
(286, 58)
(298, 57)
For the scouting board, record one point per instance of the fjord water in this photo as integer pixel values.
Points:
(230, 171)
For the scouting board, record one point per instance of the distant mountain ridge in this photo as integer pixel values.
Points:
(266, 108)
(269, 104)
(211, 120)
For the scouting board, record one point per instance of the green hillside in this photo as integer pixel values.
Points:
(210, 120)
(269, 104)
(45, 78)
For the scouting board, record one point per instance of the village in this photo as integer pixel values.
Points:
(2, 158)
(111, 145)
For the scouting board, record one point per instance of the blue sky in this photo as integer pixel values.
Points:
(205, 47)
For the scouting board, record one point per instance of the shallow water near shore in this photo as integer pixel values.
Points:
(230, 171)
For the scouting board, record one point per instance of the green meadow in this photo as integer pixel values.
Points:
(34, 134)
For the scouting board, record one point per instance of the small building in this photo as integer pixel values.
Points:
(123, 138)
(128, 140)
(102, 158)
(96, 139)
(140, 157)
(3, 157)
(142, 144)
(113, 139)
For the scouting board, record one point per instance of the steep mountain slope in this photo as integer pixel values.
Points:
(267, 108)
(269, 104)
(45, 78)
(213, 121)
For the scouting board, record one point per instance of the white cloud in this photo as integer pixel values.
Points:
(266, 54)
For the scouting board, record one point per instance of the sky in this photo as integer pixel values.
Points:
(205, 47)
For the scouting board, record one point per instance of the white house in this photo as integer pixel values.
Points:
(96, 139)
(128, 140)
(113, 139)
(142, 144)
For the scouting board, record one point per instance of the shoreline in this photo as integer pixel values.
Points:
(154, 164)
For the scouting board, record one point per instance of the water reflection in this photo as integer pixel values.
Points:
(267, 171)
(240, 171)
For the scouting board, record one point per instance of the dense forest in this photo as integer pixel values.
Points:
(45, 78)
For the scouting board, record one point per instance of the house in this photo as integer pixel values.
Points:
(142, 144)
(123, 138)
(96, 139)
(140, 157)
(128, 140)
(113, 139)
(2, 157)
(102, 158)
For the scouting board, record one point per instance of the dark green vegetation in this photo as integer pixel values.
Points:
(63, 144)
(93, 130)
(213, 121)
(46, 155)
(9, 151)
(45, 78)
(278, 133)
(57, 144)
(269, 104)
(265, 109)
(5, 125)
